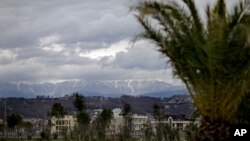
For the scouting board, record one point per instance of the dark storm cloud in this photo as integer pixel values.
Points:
(142, 55)
(77, 39)
(70, 28)
(23, 23)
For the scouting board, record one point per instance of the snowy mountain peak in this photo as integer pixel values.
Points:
(93, 87)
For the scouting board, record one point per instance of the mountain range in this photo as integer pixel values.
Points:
(109, 88)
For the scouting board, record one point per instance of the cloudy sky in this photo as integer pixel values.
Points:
(54, 40)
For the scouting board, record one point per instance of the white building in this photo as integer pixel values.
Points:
(176, 121)
(117, 121)
(67, 123)
(138, 122)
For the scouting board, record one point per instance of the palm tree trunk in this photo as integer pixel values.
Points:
(213, 131)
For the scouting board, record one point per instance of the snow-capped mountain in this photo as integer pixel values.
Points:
(99, 88)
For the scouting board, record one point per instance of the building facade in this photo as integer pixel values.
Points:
(137, 123)
(175, 121)
(66, 123)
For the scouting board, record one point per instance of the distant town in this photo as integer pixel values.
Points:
(36, 112)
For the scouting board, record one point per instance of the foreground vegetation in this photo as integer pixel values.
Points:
(99, 130)
(210, 55)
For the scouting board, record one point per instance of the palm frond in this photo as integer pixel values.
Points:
(236, 17)
(212, 59)
(194, 12)
(220, 9)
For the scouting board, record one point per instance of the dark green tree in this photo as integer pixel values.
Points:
(28, 128)
(83, 118)
(190, 131)
(58, 110)
(14, 120)
(45, 135)
(127, 114)
(148, 132)
(157, 111)
(79, 102)
(103, 121)
(211, 55)
(158, 115)
(171, 133)
(127, 110)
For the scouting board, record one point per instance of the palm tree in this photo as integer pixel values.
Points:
(211, 55)
(243, 116)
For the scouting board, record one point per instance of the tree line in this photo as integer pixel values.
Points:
(100, 129)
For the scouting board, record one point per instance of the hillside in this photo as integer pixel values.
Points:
(39, 107)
